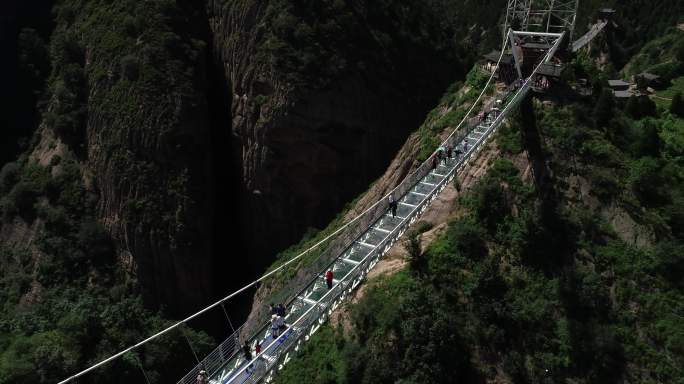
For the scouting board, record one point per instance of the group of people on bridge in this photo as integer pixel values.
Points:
(444, 154)
(278, 312)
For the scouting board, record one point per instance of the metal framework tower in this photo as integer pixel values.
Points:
(550, 16)
(518, 12)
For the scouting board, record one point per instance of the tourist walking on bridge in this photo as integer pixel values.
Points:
(280, 310)
(449, 151)
(435, 162)
(393, 206)
(441, 153)
(247, 351)
(329, 278)
(281, 325)
(202, 377)
(274, 326)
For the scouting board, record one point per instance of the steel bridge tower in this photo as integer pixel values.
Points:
(549, 16)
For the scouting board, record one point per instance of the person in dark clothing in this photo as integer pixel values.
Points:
(329, 279)
(465, 146)
(449, 151)
(435, 162)
(247, 352)
(280, 310)
(393, 206)
(274, 310)
(274, 326)
(281, 324)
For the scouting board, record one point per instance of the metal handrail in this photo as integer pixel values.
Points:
(265, 363)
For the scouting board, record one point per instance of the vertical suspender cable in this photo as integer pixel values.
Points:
(190, 345)
(227, 318)
(142, 369)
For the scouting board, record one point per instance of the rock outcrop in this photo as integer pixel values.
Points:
(304, 149)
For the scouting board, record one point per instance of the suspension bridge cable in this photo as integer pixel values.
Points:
(506, 108)
(303, 253)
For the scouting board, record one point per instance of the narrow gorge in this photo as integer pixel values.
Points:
(178, 146)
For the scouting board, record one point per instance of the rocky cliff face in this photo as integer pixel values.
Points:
(305, 148)
(210, 139)
(149, 158)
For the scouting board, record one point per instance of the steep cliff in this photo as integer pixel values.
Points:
(181, 144)
(323, 94)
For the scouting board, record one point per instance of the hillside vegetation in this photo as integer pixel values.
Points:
(67, 302)
(102, 212)
(574, 275)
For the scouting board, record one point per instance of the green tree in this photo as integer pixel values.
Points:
(647, 181)
(412, 246)
(677, 106)
(95, 241)
(603, 112)
(130, 67)
(679, 51)
(632, 108)
(646, 106)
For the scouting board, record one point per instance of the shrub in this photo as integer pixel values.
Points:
(677, 106)
(646, 106)
(423, 227)
(603, 112)
(55, 160)
(260, 100)
(679, 51)
(21, 199)
(96, 242)
(412, 246)
(632, 108)
(647, 182)
(9, 175)
(130, 68)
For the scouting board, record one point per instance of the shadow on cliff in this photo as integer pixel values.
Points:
(23, 71)
(596, 350)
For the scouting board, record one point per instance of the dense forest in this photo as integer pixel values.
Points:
(529, 284)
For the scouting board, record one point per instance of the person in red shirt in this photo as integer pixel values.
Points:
(329, 279)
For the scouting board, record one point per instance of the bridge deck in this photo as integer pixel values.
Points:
(589, 36)
(368, 244)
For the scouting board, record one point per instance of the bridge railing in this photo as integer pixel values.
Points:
(216, 359)
(274, 355)
(335, 246)
(331, 250)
